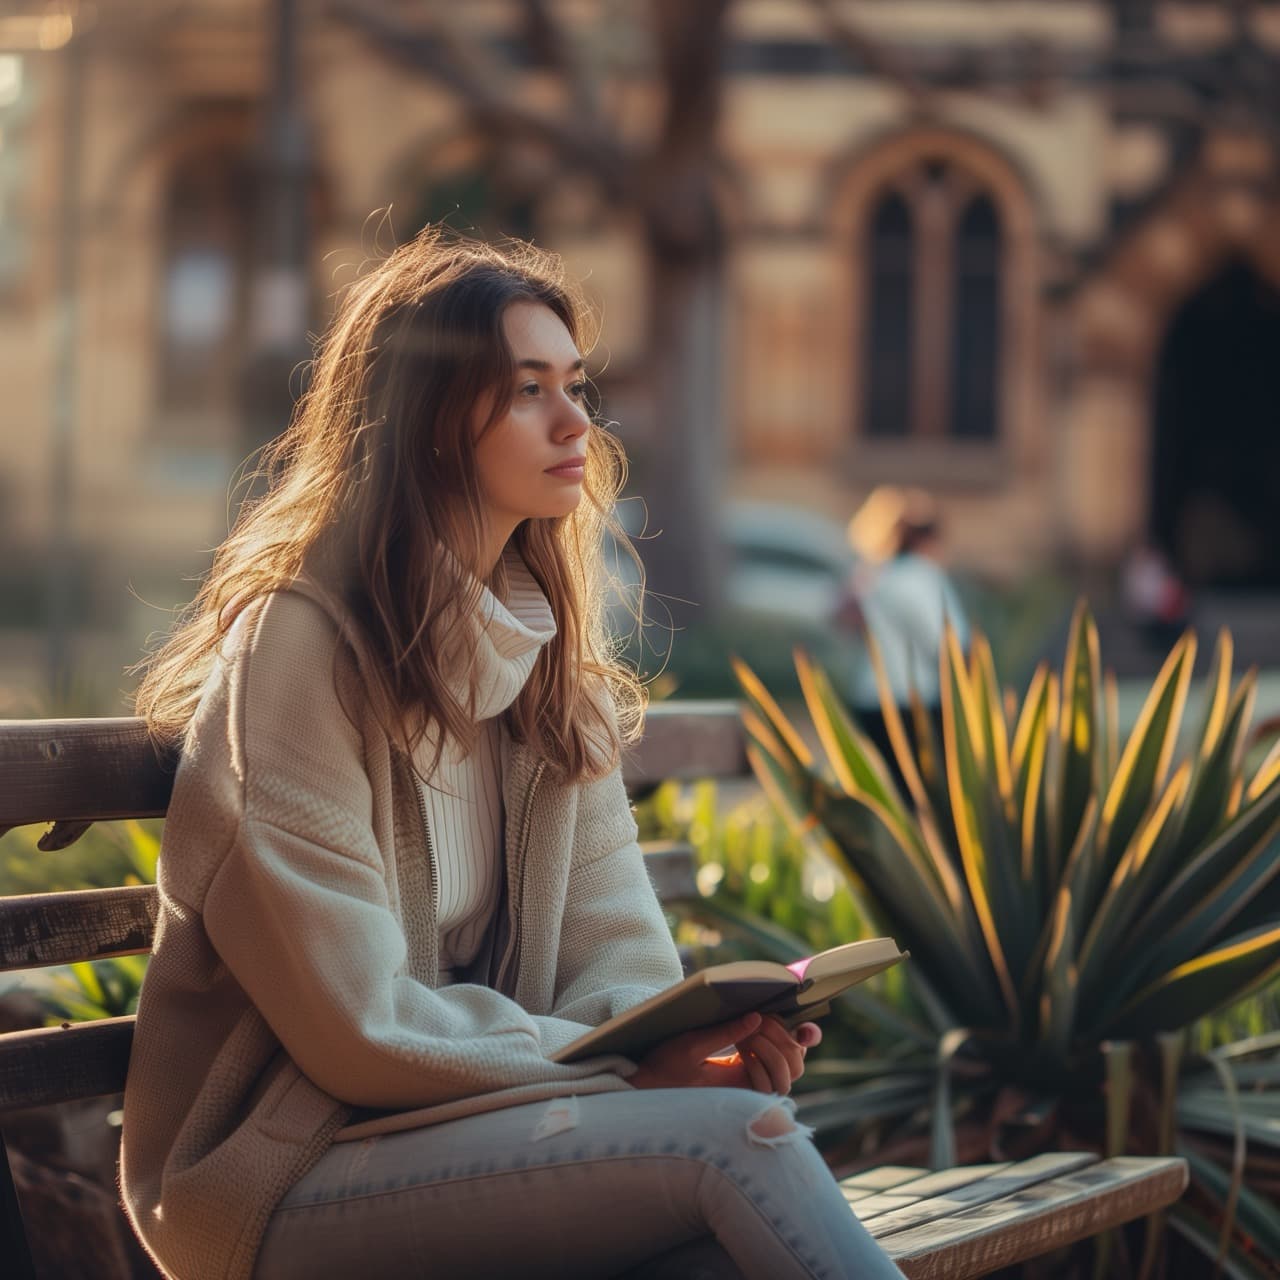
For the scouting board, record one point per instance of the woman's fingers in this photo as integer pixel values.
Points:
(694, 1047)
(705, 1041)
(778, 1053)
(769, 1059)
(685, 1059)
(808, 1035)
(791, 1049)
(772, 1058)
(757, 1072)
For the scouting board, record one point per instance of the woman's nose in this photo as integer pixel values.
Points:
(572, 421)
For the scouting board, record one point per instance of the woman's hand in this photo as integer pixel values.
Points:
(769, 1058)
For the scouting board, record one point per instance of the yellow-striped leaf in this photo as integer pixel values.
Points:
(1202, 986)
(1145, 762)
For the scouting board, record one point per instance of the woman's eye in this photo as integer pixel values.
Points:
(529, 389)
(578, 390)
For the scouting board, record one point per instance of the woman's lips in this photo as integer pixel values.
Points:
(568, 470)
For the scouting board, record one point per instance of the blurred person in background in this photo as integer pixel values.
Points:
(1156, 599)
(400, 870)
(901, 595)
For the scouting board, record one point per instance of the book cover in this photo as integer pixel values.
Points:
(794, 993)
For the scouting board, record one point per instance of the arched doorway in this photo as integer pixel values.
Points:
(1215, 506)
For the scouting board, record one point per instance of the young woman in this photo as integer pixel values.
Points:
(399, 869)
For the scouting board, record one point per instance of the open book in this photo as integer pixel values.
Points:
(794, 993)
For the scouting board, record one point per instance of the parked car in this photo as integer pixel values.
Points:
(783, 561)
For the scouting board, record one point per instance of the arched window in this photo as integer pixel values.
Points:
(890, 319)
(975, 330)
(932, 330)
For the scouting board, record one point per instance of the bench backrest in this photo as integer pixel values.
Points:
(76, 772)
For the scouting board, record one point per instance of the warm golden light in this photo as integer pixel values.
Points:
(47, 31)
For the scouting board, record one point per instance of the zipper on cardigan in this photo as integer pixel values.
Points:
(431, 864)
(515, 890)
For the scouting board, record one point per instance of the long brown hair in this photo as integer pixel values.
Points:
(376, 473)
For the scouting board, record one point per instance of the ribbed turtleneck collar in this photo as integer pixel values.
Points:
(509, 633)
(506, 633)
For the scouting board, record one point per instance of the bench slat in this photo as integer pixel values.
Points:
(883, 1178)
(39, 929)
(62, 1064)
(97, 770)
(671, 868)
(982, 1189)
(917, 1189)
(687, 740)
(88, 1059)
(104, 769)
(941, 1181)
(1037, 1219)
(874, 1206)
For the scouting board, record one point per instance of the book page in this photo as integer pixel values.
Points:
(831, 972)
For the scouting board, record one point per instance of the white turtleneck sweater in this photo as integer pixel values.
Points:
(464, 796)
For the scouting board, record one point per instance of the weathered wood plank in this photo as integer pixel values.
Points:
(89, 924)
(60, 1064)
(93, 924)
(94, 770)
(875, 1205)
(853, 1194)
(916, 1189)
(671, 868)
(87, 1059)
(1037, 1219)
(982, 1190)
(688, 739)
(883, 1177)
(943, 1180)
(103, 769)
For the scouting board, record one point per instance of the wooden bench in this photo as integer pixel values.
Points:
(975, 1219)
(953, 1223)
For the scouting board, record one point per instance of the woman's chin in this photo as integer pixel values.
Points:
(557, 507)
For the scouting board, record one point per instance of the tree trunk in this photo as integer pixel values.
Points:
(684, 235)
(684, 464)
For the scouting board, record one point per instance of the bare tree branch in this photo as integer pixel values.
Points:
(866, 51)
(438, 49)
(966, 69)
(560, 52)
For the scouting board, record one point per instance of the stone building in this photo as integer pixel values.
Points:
(1024, 254)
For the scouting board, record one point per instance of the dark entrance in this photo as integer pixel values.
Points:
(1216, 460)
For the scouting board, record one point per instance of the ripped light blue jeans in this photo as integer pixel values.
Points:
(664, 1184)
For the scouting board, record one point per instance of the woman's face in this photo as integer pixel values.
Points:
(530, 461)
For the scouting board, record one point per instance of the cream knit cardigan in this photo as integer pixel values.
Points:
(290, 999)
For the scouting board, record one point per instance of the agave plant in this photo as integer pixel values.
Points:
(1071, 906)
